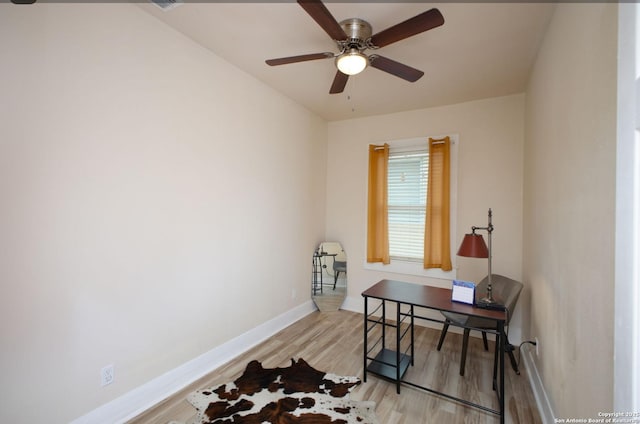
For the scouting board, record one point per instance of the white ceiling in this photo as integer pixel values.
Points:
(482, 50)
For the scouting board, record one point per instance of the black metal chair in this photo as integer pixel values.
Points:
(506, 291)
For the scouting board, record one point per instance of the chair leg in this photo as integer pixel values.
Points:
(465, 345)
(335, 279)
(509, 348)
(444, 333)
(484, 340)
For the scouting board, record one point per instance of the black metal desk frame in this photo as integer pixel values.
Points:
(393, 364)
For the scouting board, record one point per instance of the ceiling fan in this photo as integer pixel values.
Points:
(353, 37)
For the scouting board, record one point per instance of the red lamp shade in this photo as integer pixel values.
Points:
(473, 246)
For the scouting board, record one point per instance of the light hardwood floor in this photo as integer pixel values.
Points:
(333, 342)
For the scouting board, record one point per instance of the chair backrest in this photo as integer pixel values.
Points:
(340, 266)
(504, 290)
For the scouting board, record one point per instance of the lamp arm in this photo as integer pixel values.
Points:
(489, 229)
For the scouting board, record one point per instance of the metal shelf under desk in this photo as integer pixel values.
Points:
(390, 363)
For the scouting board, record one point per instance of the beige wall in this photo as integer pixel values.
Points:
(569, 208)
(154, 205)
(489, 175)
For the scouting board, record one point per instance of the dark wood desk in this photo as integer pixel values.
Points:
(393, 363)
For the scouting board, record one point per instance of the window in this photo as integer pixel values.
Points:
(408, 168)
(407, 199)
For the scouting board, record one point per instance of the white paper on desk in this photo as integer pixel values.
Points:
(463, 291)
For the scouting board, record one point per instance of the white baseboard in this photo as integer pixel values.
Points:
(542, 400)
(142, 398)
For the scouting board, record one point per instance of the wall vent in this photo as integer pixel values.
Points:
(167, 5)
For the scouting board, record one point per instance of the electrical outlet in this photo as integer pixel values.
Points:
(537, 347)
(106, 375)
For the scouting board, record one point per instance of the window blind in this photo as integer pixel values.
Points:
(407, 199)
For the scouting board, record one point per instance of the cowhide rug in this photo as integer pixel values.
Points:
(295, 394)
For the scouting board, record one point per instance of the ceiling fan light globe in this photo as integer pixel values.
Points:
(352, 62)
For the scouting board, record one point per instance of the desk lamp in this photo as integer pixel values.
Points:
(473, 246)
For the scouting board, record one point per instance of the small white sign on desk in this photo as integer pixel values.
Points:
(463, 291)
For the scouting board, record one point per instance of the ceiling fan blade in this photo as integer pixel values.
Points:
(319, 12)
(301, 58)
(395, 68)
(420, 23)
(339, 82)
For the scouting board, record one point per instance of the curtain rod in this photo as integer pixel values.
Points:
(434, 142)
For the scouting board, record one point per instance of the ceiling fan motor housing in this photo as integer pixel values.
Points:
(358, 33)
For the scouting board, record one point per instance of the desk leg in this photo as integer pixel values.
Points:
(412, 336)
(495, 362)
(502, 338)
(364, 377)
(384, 324)
(398, 333)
